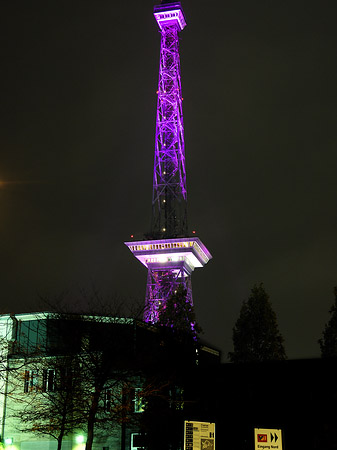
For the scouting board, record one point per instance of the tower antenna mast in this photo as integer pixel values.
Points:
(170, 255)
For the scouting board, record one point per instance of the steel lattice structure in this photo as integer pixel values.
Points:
(169, 200)
(170, 256)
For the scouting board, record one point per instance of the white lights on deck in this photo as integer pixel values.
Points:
(189, 252)
(172, 17)
(165, 259)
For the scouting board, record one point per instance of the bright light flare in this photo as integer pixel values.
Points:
(79, 439)
(4, 183)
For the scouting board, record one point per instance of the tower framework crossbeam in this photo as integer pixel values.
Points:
(170, 255)
(169, 199)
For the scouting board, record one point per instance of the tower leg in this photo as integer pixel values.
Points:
(161, 285)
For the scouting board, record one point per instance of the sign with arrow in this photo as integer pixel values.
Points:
(268, 439)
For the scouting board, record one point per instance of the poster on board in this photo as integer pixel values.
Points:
(199, 435)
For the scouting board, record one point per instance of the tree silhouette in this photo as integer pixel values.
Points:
(177, 313)
(173, 359)
(328, 342)
(255, 335)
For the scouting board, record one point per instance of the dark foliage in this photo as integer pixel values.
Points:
(255, 335)
(178, 315)
(328, 342)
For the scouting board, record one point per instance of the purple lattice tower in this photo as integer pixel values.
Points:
(170, 255)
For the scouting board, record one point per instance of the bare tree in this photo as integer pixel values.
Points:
(81, 374)
(90, 367)
(50, 394)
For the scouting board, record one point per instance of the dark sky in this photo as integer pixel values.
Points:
(78, 103)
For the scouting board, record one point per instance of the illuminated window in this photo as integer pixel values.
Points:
(107, 397)
(137, 441)
(65, 378)
(48, 380)
(30, 381)
(176, 398)
(139, 404)
(30, 335)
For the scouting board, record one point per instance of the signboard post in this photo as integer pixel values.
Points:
(199, 435)
(268, 439)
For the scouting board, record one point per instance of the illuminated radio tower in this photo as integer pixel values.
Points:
(171, 255)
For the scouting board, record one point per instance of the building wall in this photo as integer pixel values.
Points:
(35, 349)
(151, 355)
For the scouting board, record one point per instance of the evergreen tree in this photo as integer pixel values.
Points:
(255, 335)
(328, 342)
(177, 313)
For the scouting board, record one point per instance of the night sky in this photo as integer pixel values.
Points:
(78, 104)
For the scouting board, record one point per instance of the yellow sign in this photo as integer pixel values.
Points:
(199, 435)
(267, 439)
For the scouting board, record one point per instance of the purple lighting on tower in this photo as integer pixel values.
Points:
(170, 255)
(170, 263)
(169, 198)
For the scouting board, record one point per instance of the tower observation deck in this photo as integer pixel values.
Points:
(170, 255)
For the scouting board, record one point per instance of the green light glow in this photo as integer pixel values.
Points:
(79, 439)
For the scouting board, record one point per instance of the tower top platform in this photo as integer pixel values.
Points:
(168, 14)
(163, 251)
